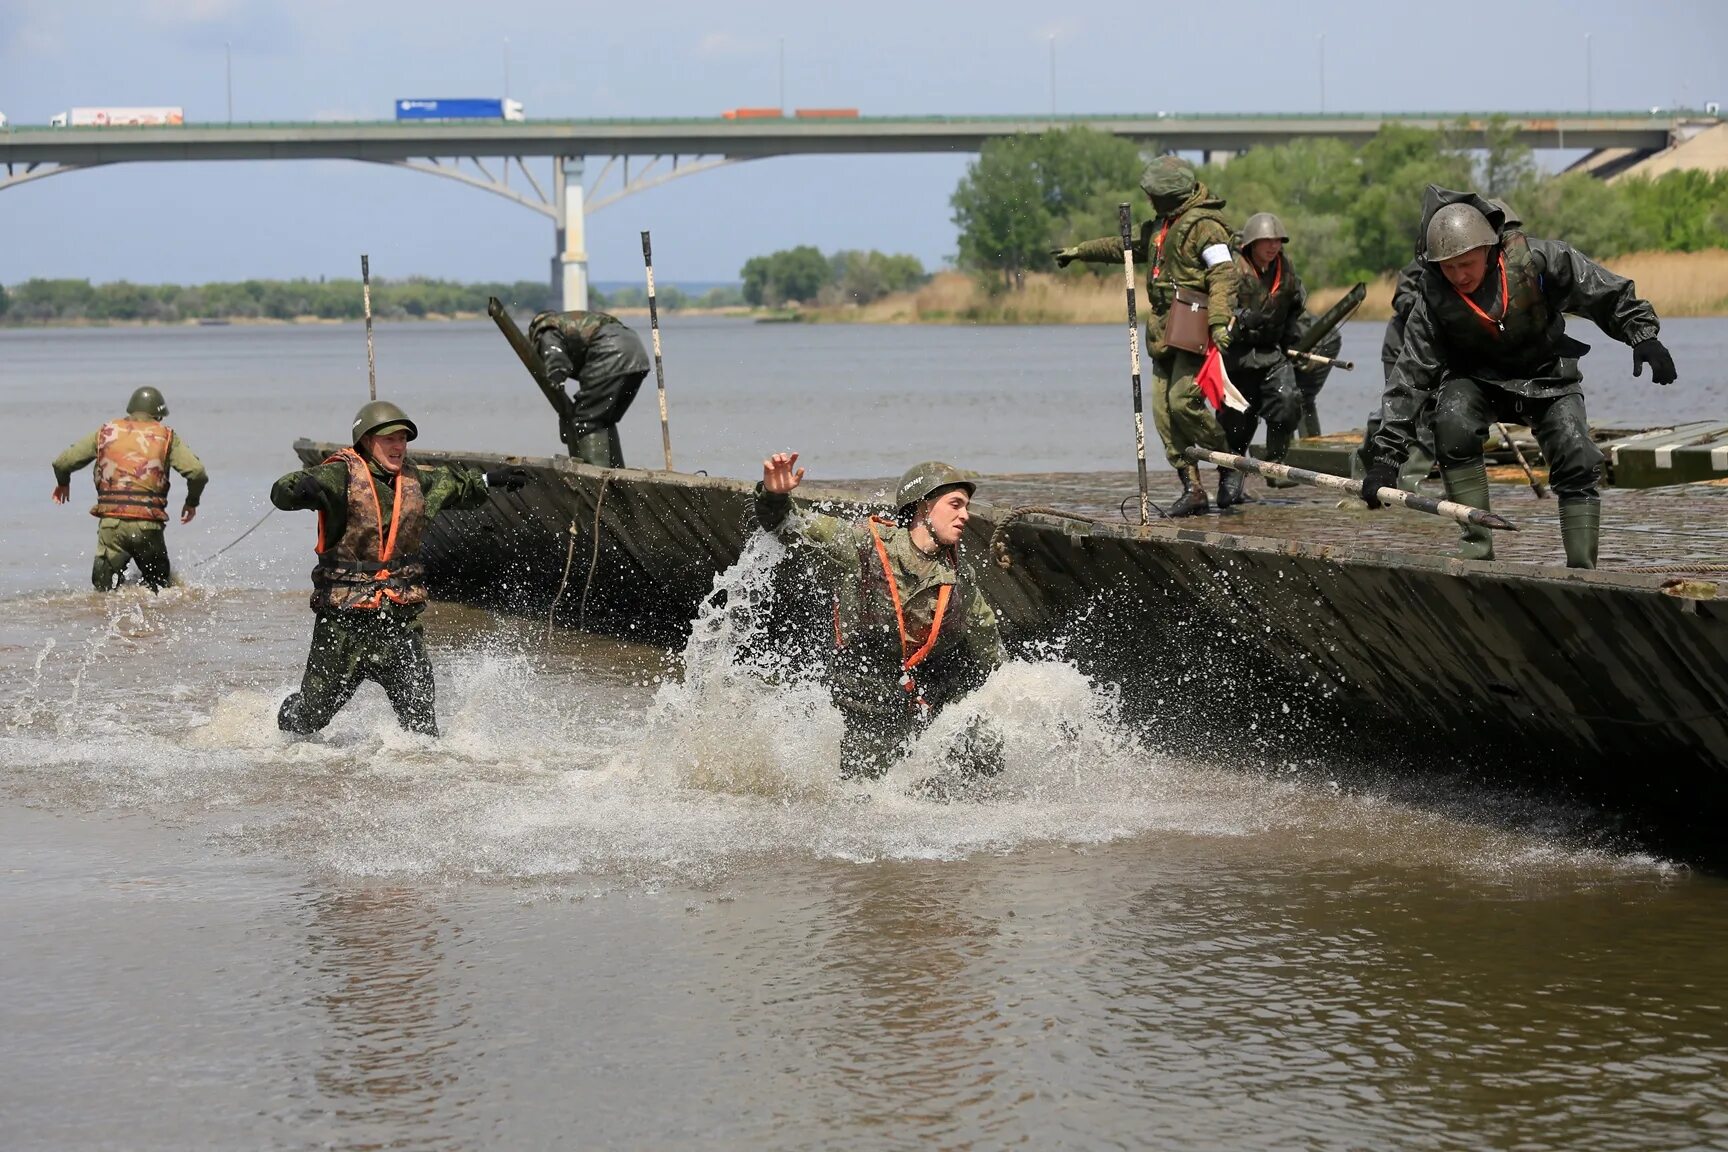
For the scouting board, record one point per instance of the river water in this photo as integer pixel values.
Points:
(624, 903)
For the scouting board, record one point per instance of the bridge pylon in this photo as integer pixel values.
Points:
(570, 262)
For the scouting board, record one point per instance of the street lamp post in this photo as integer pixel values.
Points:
(228, 62)
(1052, 75)
(1589, 95)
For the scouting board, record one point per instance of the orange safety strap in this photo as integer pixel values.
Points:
(909, 662)
(1277, 277)
(1158, 254)
(1499, 324)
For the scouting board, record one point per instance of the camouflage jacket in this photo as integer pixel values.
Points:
(843, 558)
(1189, 249)
(180, 458)
(449, 486)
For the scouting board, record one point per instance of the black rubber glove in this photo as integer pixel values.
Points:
(508, 479)
(1653, 353)
(1380, 475)
(1063, 256)
(307, 490)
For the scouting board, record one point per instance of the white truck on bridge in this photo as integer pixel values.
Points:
(118, 117)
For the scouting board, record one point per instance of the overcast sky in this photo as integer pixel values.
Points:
(336, 59)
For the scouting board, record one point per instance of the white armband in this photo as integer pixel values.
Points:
(1215, 254)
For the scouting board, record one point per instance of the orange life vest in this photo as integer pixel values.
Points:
(372, 562)
(132, 470)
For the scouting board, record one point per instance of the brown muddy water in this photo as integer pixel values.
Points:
(624, 902)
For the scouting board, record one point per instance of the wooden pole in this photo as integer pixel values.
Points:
(1536, 485)
(366, 302)
(1462, 513)
(1125, 221)
(659, 368)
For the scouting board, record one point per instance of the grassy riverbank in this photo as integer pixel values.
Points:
(1677, 283)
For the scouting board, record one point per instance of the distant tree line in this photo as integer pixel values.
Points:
(42, 301)
(803, 275)
(667, 297)
(1352, 213)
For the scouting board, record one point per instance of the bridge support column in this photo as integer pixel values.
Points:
(570, 265)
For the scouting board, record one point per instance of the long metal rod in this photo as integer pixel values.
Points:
(1125, 222)
(1462, 513)
(1536, 485)
(659, 368)
(366, 302)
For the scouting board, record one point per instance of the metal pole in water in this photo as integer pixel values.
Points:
(366, 302)
(654, 328)
(1125, 220)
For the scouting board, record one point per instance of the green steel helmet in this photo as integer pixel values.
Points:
(921, 481)
(1168, 180)
(381, 416)
(1455, 230)
(148, 401)
(1263, 226)
(1509, 213)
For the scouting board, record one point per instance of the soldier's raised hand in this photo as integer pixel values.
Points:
(778, 474)
(1064, 256)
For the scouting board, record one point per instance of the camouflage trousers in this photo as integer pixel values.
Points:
(1179, 411)
(349, 647)
(122, 542)
(1463, 409)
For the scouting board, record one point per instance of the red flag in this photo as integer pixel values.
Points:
(1214, 382)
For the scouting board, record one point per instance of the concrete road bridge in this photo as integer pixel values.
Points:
(638, 154)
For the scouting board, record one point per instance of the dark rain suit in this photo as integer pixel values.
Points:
(605, 358)
(1503, 355)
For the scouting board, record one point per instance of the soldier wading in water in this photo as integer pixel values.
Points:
(132, 457)
(368, 589)
(1486, 338)
(912, 633)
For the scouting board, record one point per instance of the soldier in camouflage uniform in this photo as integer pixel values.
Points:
(911, 631)
(368, 589)
(132, 457)
(1487, 340)
(1188, 247)
(608, 362)
(1271, 316)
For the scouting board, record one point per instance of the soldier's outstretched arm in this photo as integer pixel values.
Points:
(456, 486)
(1587, 289)
(320, 488)
(78, 455)
(184, 461)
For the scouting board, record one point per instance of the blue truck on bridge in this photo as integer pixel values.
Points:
(461, 109)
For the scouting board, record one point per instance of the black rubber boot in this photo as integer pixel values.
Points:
(1277, 447)
(1580, 525)
(600, 448)
(1468, 484)
(1193, 500)
(1310, 417)
(1230, 490)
